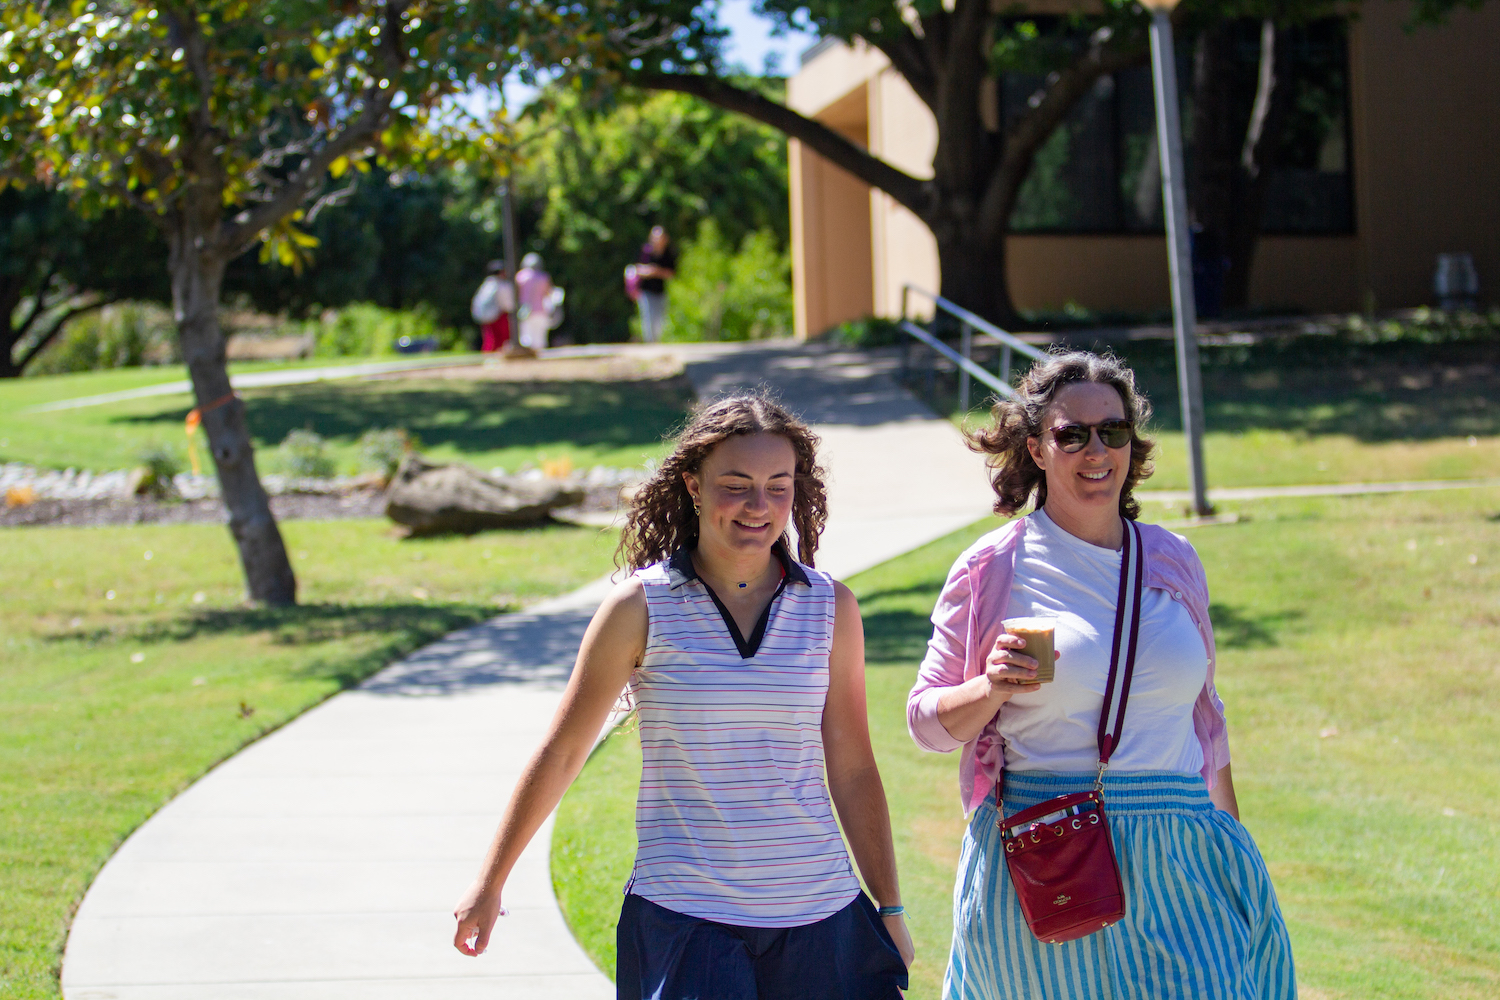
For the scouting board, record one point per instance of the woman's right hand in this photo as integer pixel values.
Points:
(476, 913)
(966, 709)
(1010, 672)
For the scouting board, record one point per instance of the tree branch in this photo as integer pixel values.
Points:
(57, 328)
(824, 141)
(965, 152)
(309, 177)
(908, 57)
(38, 304)
(184, 32)
(332, 199)
(1037, 125)
(246, 229)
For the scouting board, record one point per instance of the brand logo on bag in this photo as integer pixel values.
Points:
(1062, 899)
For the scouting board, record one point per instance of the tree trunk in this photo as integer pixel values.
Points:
(1230, 167)
(10, 300)
(1273, 100)
(197, 277)
(972, 265)
(1212, 184)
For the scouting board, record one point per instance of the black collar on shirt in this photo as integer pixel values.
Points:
(682, 571)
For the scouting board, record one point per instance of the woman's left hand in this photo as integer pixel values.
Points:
(895, 925)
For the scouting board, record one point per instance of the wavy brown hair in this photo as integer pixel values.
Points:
(1015, 477)
(661, 518)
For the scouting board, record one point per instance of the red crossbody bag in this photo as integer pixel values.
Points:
(1059, 852)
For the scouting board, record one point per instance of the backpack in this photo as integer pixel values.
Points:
(485, 306)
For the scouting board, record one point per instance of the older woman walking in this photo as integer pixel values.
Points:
(747, 668)
(1200, 916)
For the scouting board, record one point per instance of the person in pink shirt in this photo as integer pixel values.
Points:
(1201, 917)
(533, 286)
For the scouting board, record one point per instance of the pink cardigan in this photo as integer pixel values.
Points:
(966, 623)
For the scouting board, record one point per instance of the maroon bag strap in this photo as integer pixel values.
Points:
(1127, 609)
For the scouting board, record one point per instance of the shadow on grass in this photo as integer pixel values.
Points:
(467, 416)
(1233, 629)
(1318, 385)
(896, 637)
(1373, 392)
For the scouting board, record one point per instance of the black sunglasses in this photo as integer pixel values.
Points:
(1074, 437)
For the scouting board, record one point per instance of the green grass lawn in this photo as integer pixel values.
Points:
(483, 423)
(129, 667)
(1314, 410)
(1358, 646)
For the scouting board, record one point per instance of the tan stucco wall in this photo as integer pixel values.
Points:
(1426, 157)
(1101, 272)
(1427, 148)
(904, 135)
(832, 275)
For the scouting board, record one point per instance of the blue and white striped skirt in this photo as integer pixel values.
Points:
(1201, 918)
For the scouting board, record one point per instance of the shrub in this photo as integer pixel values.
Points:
(304, 453)
(122, 335)
(362, 330)
(159, 465)
(867, 331)
(1423, 326)
(722, 294)
(383, 450)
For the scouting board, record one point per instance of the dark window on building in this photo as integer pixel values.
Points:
(1099, 172)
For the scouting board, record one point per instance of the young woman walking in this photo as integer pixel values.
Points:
(1200, 916)
(747, 668)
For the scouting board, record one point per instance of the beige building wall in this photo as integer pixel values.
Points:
(905, 135)
(1426, 167)
(1427, 149)
(832, 276)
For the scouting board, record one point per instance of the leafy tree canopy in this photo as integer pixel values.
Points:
(594, 180)
(226, 120)
(117, 101)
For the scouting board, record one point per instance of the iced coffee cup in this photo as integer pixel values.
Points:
(1038, 635)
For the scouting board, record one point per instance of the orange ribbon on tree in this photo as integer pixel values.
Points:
(194, 418)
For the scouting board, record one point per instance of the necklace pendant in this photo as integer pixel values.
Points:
(743, 586)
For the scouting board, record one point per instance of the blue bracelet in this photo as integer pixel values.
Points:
(892, 911)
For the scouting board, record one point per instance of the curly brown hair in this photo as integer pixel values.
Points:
(1013, 474)
(661, 518)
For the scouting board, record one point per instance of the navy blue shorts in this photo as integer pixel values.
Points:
(665, 955)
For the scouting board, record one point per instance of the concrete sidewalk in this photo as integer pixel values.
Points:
(322, 862)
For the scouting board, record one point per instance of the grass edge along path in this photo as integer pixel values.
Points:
(129, 668)
(1356, 640)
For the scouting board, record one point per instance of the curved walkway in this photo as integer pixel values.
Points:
(322, 862)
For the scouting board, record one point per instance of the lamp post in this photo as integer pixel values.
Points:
(1179, 250)
(508, 236)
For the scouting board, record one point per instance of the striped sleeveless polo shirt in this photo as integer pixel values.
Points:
(734, 821)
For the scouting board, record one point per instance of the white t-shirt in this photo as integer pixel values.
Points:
(1059, 575)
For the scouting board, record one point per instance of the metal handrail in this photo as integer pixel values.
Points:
(966, 367)
(984, 326)
(969, 368)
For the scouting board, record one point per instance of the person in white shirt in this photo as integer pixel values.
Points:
(1201, 917)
